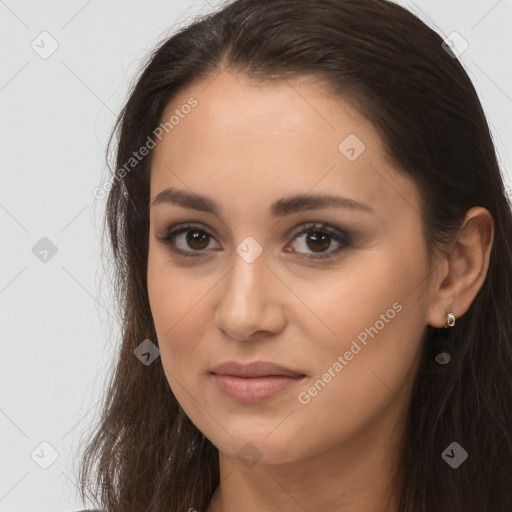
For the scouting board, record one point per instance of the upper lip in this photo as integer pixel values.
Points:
(254, 369)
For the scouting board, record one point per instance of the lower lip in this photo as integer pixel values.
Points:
(254, 389)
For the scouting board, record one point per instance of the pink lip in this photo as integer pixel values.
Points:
(254, 369)
(254, 389)
(254, 382)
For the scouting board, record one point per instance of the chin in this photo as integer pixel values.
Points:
(260, 448)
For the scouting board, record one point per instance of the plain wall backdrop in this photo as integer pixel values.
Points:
(65, 70)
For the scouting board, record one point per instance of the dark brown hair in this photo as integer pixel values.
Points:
(146, 454)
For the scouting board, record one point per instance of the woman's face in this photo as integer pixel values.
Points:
(344, 305)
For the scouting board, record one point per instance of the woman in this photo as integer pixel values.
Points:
(310, 228)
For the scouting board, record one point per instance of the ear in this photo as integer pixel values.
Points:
(461, 272)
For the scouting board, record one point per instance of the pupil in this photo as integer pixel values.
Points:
(316, 237)
(194, 237)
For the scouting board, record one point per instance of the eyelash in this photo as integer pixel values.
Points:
(314, 227)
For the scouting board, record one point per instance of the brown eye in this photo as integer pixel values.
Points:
(314, 240)
(318, 241)
(196, 239)
(188, 240)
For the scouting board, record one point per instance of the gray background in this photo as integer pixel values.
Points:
(58, 331)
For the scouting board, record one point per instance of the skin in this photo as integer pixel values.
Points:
(246, 146)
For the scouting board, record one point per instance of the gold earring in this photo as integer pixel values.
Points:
(450, 320)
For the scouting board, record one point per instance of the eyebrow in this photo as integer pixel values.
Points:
(280, 208)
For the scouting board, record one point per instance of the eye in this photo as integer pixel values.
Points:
(318, 237)
(196, 238)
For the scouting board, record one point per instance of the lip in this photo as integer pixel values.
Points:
(254, 369)
(254, 382)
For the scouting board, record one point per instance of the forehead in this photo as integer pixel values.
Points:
(273, 139)
(232, 104)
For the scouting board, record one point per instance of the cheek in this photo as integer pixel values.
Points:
(178, 331)
(361, 383)
(172, 293)
(377, 296)
(368, 361)
(177, 301)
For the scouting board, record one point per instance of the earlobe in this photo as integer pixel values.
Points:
(442, 296)
(465, 268)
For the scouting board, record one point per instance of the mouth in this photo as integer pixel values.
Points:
(254, 382)
(255, 369)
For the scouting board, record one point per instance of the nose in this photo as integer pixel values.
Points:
(250, 300)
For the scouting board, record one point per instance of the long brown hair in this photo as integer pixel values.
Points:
(146, 454)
